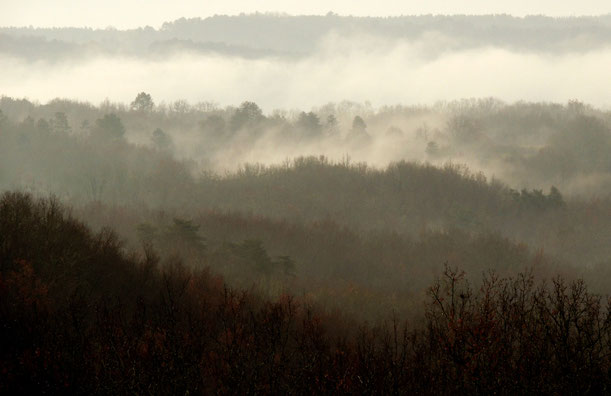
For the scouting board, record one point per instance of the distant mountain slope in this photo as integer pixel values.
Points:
(264, 34)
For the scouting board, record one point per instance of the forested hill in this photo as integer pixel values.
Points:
(84, 154)
(260, 35)
(80, 315)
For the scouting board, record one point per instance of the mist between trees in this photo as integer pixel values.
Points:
(283, 241)
(81, 316)
(330, 218)
(300, 62)
(145, 169)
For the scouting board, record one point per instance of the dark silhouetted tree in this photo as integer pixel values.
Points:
(331, 126)
(110, 127)
(60, 123)
(358, 134)
(162, 140)
(184, 235)
(309, 124)
(254, 253)
(143, 102)
(555, 198)
(248, 114)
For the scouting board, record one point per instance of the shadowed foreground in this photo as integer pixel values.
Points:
(79, 315)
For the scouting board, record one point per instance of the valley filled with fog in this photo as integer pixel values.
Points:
(283, 62)
(285, 204)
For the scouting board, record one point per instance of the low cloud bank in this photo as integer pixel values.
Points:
(360, 68)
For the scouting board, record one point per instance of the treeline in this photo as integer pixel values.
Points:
(78, 315)
(126, 157)
(262, 35)
(366, 275)
(527, 145)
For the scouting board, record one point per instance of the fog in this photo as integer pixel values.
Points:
(367, 72)
(361, 68)
(306, 204)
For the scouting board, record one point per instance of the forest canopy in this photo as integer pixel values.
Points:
(277, 204)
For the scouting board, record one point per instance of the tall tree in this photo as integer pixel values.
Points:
(248, 114)
(143, 102)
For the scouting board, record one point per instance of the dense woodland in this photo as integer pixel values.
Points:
(80, 316)
(163, 247)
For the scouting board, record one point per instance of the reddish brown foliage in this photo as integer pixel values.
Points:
(79, 316)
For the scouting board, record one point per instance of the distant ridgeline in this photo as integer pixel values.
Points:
(261, 35)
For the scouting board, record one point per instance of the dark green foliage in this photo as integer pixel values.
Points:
(180, 238)
(162, 140)
(143, 102)
(247, 115)
(109, 127)
(537, 200)
(358, 134)
(184, 231)
(254, 255)
(367, 275)
(100, 166)
(309, 125)
(252, 251)
(405, 197)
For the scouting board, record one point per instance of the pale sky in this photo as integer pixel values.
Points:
(135, 13)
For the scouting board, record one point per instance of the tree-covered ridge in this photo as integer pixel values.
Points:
(527, 145)
(78, 315)
(264, 35)
(176, 247)
(131, 156)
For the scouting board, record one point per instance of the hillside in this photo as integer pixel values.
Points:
(79, 315)
(264, 35)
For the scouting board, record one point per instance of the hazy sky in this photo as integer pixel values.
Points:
(134, 13)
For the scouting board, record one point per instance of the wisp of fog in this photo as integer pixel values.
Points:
(359, 68)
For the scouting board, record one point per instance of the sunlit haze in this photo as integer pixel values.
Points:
(136, 13)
